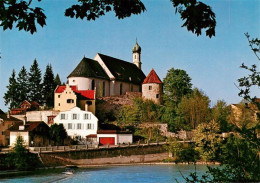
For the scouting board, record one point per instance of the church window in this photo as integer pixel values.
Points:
(157, 95)
(93, 84)
(135, 56)
(150, 87)
(104, 88)
(121, 88)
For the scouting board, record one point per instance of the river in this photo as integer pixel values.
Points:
(115, 174)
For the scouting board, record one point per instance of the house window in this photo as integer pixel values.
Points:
(93, 84)
(59, 104)
(73, 81)
(62, 116)
(58, 96)
(86, 116)
(104, 88)
(150, 87)
(121, 88)
(157, 95)
(74, 116)
(70, 101)
(3, 132)
(69, 126)
(90, 126)
(79, 126)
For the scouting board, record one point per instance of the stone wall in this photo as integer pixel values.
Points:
(106, 105)
(153, 91)
(117, 155)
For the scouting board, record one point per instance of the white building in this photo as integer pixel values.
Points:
(78, 123)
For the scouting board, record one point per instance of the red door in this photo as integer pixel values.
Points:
(107, 140)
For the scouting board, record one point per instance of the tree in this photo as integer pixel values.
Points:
(35, 87)
(58, 134)
(48, 87)
(194, 109)
(208, 140)
(177, 84)
(197, 15)
(11, 94)
(22, 85)
(57, 80)
(220, 113)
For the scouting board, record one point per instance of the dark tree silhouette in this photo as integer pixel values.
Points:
(22, 85)
(197, 15)
(48, 86)
(11, 94)
(35, 86)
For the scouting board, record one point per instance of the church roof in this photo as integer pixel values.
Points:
(122, 70)
(136, 48)
(152, 78)
(81, 94)
(89, 68)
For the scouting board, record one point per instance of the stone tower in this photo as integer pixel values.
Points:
(152, 88)
(137, 55)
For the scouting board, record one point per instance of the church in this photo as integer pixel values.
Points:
(109, 76)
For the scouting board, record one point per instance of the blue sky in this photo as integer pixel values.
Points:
(213, 64)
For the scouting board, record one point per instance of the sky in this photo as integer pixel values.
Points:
(213, 64)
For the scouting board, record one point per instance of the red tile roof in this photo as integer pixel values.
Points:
(152, 78)
(90, 94)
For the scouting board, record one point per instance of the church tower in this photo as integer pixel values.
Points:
(152, 88)
(137, 55)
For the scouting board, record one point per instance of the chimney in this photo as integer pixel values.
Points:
(8, 114)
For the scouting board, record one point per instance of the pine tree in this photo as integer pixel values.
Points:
(22, 85)
(11, 94)
(57, 80)
(35, 87)
(48, 87)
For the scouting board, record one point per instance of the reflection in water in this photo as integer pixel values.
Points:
(117, 174)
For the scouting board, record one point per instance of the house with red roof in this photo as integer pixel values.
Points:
(152, 87)
(66, 97)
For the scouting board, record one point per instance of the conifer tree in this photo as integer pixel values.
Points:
(48, 86)
(35, 87)
(11, 94)
(57, 80)
(22, 85)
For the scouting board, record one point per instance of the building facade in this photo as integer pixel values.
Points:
(152, 88)
(109, 76)
(78, 123)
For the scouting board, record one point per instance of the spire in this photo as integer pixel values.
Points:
(136, 47)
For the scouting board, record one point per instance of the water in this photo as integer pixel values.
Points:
(116, 174)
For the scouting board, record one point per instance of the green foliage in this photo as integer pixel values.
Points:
(58, 134)
(197, 15)
(208, 140)
(189, 154)
(240, 162)
(48, 86)
(152, 134)
(194, 109)
(22, 85)
(141, 111)
(177, 84)
(34, 86)
(220, 113)
(11, 94)
(57, 80)
(21, 159)
(174, 147)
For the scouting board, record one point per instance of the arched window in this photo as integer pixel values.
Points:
(93, 85)
(121, 88)
(104, 89)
